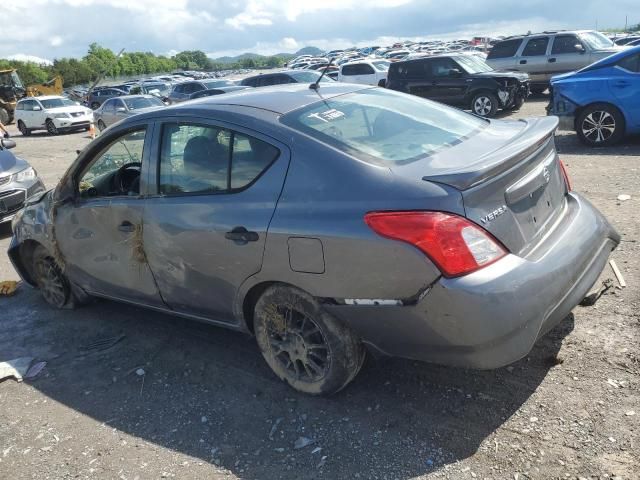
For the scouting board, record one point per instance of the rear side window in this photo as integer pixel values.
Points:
(566, 44)
(205, 159)
(416, 69)
(536, 47)
(384, 127)
(631, 63)
(440, 67)
(505, 49)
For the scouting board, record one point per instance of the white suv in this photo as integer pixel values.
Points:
(368, 72)
(51, 113)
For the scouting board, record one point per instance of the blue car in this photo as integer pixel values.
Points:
(601, 102)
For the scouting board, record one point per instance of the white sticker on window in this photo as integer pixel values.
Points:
(328, 115)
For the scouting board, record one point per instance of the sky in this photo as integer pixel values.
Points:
(51, 29)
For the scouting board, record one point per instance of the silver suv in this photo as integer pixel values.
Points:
(543, 55)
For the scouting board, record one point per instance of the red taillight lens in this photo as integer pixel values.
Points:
(456, 245)
(565, 175)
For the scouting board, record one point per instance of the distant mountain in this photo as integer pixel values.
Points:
(303, 51)
(315, 51)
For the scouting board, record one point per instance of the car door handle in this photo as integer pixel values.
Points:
(126, 227)
(621, 83)
(523, 62)
(552, 60)
(241, 235)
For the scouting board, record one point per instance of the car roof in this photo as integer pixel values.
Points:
(126, 97)
(43, 97)
(543, 34)
(278, 98)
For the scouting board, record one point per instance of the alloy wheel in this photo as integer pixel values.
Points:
(482, 106)
(598, 126)
(51, 128)
(51, 282)
(298, 344)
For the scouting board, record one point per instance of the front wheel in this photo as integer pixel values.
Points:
(51, 127)
(517, 102)
(53, 284)
(600, 125)
(484, 104)
(303, 344)
(23, 129)
(101, 125)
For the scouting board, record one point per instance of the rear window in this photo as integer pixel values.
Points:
(384, 127)
(505, 49)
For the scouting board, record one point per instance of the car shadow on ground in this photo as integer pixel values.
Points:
(399, 419)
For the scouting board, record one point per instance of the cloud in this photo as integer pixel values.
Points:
(21, 57)
(272, 26)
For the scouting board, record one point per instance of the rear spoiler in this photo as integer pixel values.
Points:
(534, 137)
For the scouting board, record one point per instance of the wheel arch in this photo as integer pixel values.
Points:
(21, 256)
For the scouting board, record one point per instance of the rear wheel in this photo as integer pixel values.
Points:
(600, 125)
(51, 127)
(484, 104)
(23, 129)
(53, 284)
(303, 344)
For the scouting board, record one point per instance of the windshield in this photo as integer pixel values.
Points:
(142, 102)
(382, 66)
(162, 88)
(384, 127)
(473, 64)
(218, 83)
(308, 76)
(57, 103)
(596, 40)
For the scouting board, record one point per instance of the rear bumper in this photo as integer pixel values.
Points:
(493, 317)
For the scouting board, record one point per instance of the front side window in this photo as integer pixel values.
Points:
(566, 44)
(536, 47)
(108, 106)
(208, 160)
(596, 40)
(116, 169)
(440, 67)
(384, 127)
(349, 70)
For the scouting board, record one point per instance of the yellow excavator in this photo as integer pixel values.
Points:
(12, 90)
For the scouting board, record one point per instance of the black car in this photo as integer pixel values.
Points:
(289, 76)
(461, 80)
(216, 91)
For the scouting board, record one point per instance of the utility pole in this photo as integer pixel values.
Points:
(626, 22)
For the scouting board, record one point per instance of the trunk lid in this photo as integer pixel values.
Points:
(509, 178)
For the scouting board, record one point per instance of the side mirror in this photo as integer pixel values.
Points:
(7, 143)
(579, 48)
(121, 110)
(36, 109)
(455, 72)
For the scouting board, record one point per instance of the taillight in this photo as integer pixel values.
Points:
(456, 245)
(565, 175)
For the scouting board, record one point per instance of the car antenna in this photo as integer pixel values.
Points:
(315, 85)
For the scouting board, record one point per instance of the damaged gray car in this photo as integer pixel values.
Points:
(328, 221)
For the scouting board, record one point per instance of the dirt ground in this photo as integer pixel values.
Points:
(207, 406)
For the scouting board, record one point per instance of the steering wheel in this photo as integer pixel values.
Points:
(123, 179)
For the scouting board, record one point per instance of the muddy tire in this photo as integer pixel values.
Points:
(303, 344)
(23, 129)
(4, 116)
(52, 282)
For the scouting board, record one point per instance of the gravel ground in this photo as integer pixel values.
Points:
(178, 399)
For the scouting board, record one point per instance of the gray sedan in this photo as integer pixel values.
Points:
(115, 109)
(18, 181)
(327, 222)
